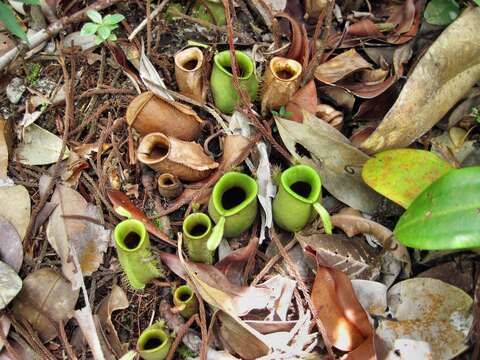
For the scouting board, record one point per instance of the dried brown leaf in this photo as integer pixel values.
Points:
(11, 249)
(439, 80)
(3, 150)
(116, 300)
(46, 298)
(233, 265)
(352, 256)
(341, 66)
(353, 223)
(73, 223)
(18, 212)
(10, 284)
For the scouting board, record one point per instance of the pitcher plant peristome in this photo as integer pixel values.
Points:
(189, 73)
(184, 297)
(184, 159)
(148, 113)
(233, 206)
(298, 199)
(221, 80)
(154, 343)
(197, 228)
(134, 253)
(281, 81)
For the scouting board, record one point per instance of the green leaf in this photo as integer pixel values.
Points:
(477, 2)
(112, 37)
(30, 2)
(113, 19)
(104, 32)
(441, 12)
(446, 216)
(95, 16)
(98, 40)
(402, 174)
(89, 29)
(8, 19)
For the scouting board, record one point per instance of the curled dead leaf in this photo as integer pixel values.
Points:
(11, 249)
(353, 223)
(341, 66)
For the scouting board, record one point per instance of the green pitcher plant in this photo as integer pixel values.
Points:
(298, 199)
(221, 80)
(197, 228)
(154, 343)
(184, 298)
(233, 206)
(134, 253)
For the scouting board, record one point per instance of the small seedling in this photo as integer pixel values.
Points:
(102, 27)
(283, 113)
(475, 112)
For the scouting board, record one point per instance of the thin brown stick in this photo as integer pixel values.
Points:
(149, 27)
(65, 342)
(10, 350)
(318, 55)
(180, 334)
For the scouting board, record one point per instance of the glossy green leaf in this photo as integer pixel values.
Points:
(477, 2)
(95, 16)
(8, 19)
(446, 215)
(402, 174)
(113, 19)
(441, 12)
(89, 29)
(30, 2)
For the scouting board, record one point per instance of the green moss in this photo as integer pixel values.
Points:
(33, 73)
(201, 12)
(185, 352)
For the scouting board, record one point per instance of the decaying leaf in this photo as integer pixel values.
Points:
(431, 320)
(39, 147)
(449, 77)
(241, 338)
(73, 223)
(116, 300)
(18, 214)
(371, 295)
(46, 298)
(460, 273)
(346, 323)
(87, 326)
(331, 154)
(341, 66)
(402, 174)
(353, 223)
(352, 256)
(11, 249)
(10, 284)
(233, 265)
(215, 288)
(5, 328)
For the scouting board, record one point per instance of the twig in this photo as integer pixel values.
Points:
(180, 334)
(149, 27)
(142, 25)
(53, 29)
(10, 350)
(318, 55)
(65, 343)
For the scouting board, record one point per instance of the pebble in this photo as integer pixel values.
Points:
(15, 90)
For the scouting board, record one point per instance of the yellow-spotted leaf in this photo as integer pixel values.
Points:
(402, 174)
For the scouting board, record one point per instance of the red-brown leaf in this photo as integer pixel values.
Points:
(119, 199)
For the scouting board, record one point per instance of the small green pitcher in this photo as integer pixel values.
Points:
(154, 343)
(134, 253)
(233, 206)
(221, 80)
(197, 228)
(186, 300)
(297, 201)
